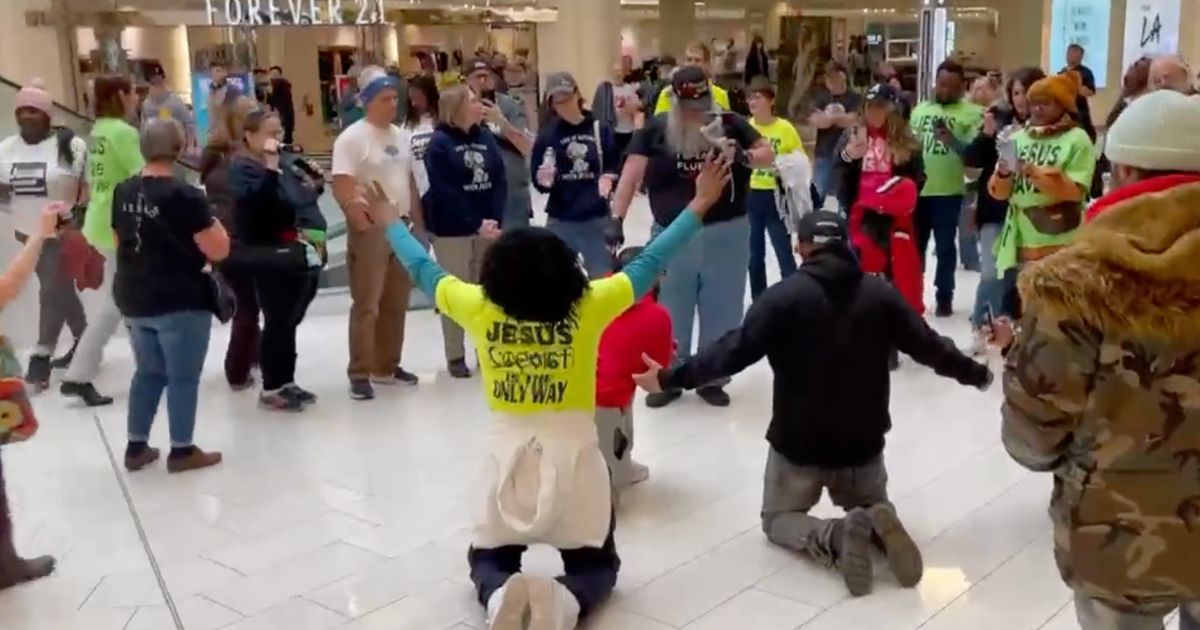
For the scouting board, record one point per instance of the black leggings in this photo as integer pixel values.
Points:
(284, 300)
(590, 573)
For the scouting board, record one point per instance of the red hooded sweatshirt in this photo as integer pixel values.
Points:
(643, 329)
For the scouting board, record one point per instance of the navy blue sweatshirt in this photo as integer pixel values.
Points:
(466, 181)
(575, 194)
(262, 212)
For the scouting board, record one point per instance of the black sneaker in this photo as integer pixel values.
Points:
(85, 392)
(306, 397)
(714, 395)
(282, 399)
(662, 399)
(944, 309)
(399, 377)
(361, 389)
(38, 374)
(458, 368)
(64, 362)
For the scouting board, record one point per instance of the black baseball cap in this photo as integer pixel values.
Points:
(692, 89)
(475, 65)
(882, 93)
(821, 228)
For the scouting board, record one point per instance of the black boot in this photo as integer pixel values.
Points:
(13, 568)
(85, 392)
(64, 362)
(851, 542)
(38, 374)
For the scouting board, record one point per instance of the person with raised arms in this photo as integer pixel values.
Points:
(537, 321)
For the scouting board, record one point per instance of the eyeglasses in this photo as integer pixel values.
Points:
(692, 90)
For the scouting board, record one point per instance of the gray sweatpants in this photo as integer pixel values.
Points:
(102, 325)
(790, 491)
(614, 428)
(1095, 615)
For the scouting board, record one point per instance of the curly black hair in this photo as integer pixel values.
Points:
(533, 276)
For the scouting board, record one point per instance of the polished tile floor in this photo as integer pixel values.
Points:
(354, 516)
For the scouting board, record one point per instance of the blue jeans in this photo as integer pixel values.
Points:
(968, 239)
(707, 278)
(765, 222)
(990, 294)
(823, 177)
(938, 216)
(587, 239)
(168, 353)
(518, 210)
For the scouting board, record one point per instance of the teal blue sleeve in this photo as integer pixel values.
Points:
(425, 272)
(644, 271)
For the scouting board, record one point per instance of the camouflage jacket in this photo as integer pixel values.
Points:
(1103, 388)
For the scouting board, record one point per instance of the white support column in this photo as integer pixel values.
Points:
(586, 41)
(676, 25)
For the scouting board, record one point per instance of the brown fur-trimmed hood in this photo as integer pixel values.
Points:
(1133, 269)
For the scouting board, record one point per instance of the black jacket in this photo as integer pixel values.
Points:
(827, 333)
(981, 153)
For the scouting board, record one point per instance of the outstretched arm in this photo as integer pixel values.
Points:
(736, 351)
(644, 270)
(426, 273)
(915, 338)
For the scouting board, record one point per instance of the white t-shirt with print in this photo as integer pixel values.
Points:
(37, 176)
(376, 156)
(419, 137)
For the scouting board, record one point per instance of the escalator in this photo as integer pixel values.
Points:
(334, 277)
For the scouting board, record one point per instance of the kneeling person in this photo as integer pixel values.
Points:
(827, 332)
(537, 322)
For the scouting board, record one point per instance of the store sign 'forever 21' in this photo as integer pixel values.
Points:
(294, 12)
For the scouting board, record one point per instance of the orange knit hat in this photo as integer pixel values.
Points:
(1060, 88)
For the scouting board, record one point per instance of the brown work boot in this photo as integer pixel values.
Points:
(137, 459)
(903, 556)
(19, 570)
(192, 459)
(851, 543)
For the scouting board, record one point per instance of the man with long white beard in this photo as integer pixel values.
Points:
(708, 277)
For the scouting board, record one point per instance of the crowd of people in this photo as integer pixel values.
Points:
(1089, 288)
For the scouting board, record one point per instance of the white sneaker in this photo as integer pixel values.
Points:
(638, 472)
(551, 605)
(508, 607)
(979, 343)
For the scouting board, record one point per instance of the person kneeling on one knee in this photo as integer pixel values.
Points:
(827, 332)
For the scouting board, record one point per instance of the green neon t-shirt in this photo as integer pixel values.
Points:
(944, 166)
(114, 155)
(784, 139)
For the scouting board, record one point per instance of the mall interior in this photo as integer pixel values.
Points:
(65, 42)
(355, 515)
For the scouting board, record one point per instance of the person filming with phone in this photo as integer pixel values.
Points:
(507, 120)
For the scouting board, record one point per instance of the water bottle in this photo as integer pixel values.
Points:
(548, 158)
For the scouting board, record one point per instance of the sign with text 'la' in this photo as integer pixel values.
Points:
(1151, 28)
(294, 12)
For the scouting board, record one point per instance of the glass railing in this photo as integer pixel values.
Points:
(334, 277)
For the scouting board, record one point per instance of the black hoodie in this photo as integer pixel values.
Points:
(827, 332)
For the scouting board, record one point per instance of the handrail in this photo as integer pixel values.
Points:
(68, 110)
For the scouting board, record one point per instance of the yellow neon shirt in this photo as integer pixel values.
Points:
(720, 97)
(530, 367)
(784, 139)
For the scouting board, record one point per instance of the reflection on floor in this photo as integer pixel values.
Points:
(353, 515)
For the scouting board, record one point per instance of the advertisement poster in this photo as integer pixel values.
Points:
(1151, 28)
(201, 86)
(1083, 22)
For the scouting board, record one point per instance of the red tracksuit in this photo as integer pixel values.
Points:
(900, 251)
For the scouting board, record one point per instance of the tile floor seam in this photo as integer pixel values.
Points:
(130, 620)
(948, 471)
(983, 578)
(798, 558)
(90, 593)
(968, 515)
(320, 605)
(218, 604)
(1055, 614)
(223, 566)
